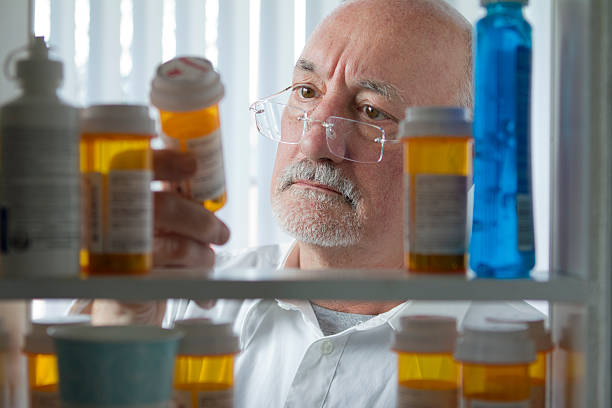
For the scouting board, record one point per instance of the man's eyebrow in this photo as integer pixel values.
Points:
(305, 65)
(389, 91)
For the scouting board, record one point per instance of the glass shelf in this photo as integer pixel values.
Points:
(299, 284)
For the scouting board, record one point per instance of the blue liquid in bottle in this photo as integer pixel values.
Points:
(502, 243)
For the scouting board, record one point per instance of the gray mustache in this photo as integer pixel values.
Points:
(324, 173)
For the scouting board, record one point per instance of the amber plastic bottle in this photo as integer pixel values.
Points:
(495, 362)
(204, 373)
(116, 167)
(187, 91)
(427, 373)
(437, 177)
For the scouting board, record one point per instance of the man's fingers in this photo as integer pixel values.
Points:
(180, 216)
(174, 251)
(173, 165)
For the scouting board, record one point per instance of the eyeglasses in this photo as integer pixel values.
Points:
(286, 121)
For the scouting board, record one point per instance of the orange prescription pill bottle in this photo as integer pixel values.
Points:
(428, 376)
(42, 360)
(117, 170)
(187, 91)
(495, 362)
(539, 369)
(204, 372)
(437, 178)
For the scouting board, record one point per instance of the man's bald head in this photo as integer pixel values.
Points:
(442, 31)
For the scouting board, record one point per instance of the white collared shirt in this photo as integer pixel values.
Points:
(286, 361)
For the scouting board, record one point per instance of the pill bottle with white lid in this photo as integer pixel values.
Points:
(204, 372)
(437, 178)
(117, 170)
(495, 360)
(4, 374)
(539, 369)
(428, 375)
(42, 360)
(187, 91)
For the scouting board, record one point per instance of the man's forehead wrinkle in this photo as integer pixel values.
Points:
(385, 89)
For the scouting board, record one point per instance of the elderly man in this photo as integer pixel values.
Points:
(366, 62)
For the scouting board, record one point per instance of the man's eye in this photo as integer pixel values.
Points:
(306, 92)
(373, 113)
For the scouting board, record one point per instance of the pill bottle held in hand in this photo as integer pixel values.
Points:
(187, 91)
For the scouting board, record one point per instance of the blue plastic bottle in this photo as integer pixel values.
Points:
(502, 243)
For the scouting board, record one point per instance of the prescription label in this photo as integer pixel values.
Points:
(419, 398)
(204, 399)
(130, 212)
(209, 180)
(92, 201)
(492, 404)
(440, 218)
(44, 399)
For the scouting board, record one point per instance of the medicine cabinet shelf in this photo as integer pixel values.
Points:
(300, 284)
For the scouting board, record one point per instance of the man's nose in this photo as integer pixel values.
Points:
(313, 144)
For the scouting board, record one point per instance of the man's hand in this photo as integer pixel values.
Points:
(184, 229)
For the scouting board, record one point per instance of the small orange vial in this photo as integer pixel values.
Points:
(538, 370)
(117, 170)
(437, 177)
(495, 362)
(428, 376)
(204, 373)
(42, 360)
(187, 91)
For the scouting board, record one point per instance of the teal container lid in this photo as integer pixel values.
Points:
(115, 366)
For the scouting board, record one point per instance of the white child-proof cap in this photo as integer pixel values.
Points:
(39, 342)
(422, 121)
(186, 84)
(535, 327)
(501, 343)
(426, 334)
(121, 118)
(205, 337)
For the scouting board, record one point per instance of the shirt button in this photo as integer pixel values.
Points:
(327, 347)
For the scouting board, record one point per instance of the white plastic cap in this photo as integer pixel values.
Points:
(39, 342)
(132, 119)
(186, 84)
(535, 326)
(37, 71)
(204, 337)
(426, 334)
(485, 2)
(422, 121)
(502, 343)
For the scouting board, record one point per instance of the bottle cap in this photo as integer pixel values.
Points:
(205, 337)
(422, 121)
(426, 334)
(186, 84)
(535, 326)
(37, 70)
(501, 343)
(133, 119)
(38, 342)
(486, 2)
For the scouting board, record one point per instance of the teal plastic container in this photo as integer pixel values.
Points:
(115, 366)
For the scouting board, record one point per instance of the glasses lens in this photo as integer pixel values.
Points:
(353, 140)
(279, 121)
